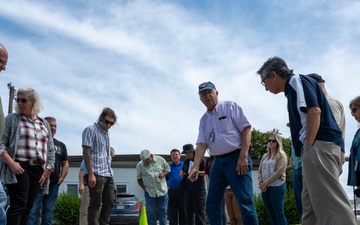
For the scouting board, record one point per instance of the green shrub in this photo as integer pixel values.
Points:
(67, 209)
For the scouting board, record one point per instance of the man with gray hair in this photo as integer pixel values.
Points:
(317, 139)
(151, 177)
(3, 198)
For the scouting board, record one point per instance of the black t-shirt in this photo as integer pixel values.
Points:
(60, 155)
(199, 184)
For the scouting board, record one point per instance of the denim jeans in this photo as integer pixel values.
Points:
(159, 205)
(48, 205)
(3, 203)
(102, 198)
(223, 173)
(23, 194)
(273, 199)
(298, 187)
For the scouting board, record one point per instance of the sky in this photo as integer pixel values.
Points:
(145, 59)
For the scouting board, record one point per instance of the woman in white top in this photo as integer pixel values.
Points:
(272, 175)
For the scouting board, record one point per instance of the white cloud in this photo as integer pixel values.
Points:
(145, 59)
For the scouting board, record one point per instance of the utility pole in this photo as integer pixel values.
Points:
(11, 97)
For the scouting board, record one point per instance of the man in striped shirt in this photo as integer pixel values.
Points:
(96, 153)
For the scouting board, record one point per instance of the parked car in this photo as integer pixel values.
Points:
(126, 209)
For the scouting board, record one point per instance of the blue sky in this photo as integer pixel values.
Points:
(145, 59)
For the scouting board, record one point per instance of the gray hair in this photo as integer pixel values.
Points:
(32, 95)
(276, 64)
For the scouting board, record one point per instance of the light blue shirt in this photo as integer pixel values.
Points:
(297, 160)
(98, 140)
(221, 128)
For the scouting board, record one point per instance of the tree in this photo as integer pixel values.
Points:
(259, 143)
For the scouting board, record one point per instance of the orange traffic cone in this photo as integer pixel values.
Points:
(143, 218)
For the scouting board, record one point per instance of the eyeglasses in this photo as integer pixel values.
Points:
(263, 81)
(272, 140)
(353, 110)
(205, 93)
(108, 122)
(22, 100)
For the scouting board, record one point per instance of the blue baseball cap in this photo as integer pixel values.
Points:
(206, 86)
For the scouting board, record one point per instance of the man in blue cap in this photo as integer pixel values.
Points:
(226, 132)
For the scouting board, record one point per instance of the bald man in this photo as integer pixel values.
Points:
(3, 198)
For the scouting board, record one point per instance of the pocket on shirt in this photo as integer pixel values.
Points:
(224, 125)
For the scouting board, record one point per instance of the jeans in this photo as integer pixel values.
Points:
(101, 196)
(47, 202)
(223, 173)
(158, 204)
(298, 187)
(3, 203)
(23, 194)
(176, 207)
(273, 199)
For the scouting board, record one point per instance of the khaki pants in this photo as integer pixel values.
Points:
(84, 206)
(232, 208)
(324, 200)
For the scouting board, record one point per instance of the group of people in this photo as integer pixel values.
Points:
(33, 164)
(317, 125)
(170, 194)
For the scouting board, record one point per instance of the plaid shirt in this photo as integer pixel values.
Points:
(33, 140)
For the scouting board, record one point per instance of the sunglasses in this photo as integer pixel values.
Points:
(272, 140)
(353, 110)
(108, 122)
(22, 100)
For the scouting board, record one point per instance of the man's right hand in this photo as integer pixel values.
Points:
(91, 180)
(194, 174)
(81, 189)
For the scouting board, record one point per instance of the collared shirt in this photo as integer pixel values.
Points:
(32, 144)
(154, 186)
(98, 140)
(221, 128)
(173, 177)
(83, 167)
(303, 92)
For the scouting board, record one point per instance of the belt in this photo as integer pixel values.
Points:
(174, 189)
(229, 153)
(31, 162)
